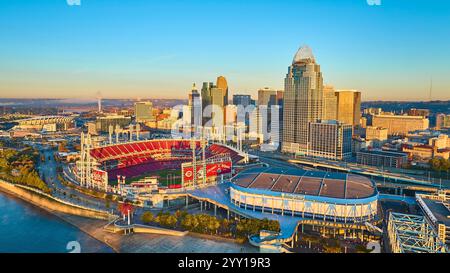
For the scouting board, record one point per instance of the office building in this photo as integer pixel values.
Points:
(303, 100)
(381, 158)
(267, 96)
(376, 133)
(222, 84)
(143, 111)
(348, 106)
(330, 139)
(243, 100)
(329, 103)
(195, 108)
(400, 125)
(103, 123)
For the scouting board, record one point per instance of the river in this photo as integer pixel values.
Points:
(25, 228)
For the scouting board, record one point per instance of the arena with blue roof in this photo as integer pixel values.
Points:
(308, 194)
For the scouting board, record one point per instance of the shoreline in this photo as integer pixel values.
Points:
(118, 243)
(60, 216)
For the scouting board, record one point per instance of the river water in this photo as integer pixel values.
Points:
(25, 228)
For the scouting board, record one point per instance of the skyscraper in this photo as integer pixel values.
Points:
(349, 106)
(267, 96)
(329, 103)
(223, 85)
(206, 98)
(303, 100)
(195, 108)
(243, 100)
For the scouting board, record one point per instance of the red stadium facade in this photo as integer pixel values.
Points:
(100, 165)
(215, 168)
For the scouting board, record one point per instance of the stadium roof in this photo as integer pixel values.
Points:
(302, 182)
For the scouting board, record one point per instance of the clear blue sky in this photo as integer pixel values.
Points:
(142, 48)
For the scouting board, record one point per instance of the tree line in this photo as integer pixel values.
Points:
(209, 224)
(18, 166)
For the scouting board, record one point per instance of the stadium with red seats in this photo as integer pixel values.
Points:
(135, 159)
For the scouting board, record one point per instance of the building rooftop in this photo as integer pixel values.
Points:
(304, 53)
(299, 181)
(384, 153)
(399, 116)
(439, 209)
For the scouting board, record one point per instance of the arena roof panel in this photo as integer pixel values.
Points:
(333, 188)
(265, 181)
(309, 185)
(286, 183)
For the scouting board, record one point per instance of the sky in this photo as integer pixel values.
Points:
(157, 49)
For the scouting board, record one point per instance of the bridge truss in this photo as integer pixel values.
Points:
(412, 234)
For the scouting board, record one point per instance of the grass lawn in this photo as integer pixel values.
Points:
(166, 177)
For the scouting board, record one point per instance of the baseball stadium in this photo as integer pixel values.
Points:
(337, 197)
(101, 167)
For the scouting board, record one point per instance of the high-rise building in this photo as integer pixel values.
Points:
(195, 108)
(243, 100)
(206, 99)
(144, 111)
(223, 85)
(267, 96)
(280, 96)
(330, 139)
(400, 125)
(348, 106)
(329, 103)
(303, 100)
(215, 97)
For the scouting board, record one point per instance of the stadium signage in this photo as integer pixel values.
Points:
(212, 170)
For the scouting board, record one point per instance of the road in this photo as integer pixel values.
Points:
(48, 171)
(357, 168)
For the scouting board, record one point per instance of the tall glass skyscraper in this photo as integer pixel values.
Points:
(303, 100)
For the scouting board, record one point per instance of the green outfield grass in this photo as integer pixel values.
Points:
(171, 176)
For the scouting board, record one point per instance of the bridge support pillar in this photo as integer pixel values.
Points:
(228, 214)
(215, 210)
(201, 209)
(187, 201)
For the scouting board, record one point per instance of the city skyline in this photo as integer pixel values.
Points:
(137, 51)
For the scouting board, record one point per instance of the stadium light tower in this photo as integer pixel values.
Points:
(110, 131)
(117, 132)
(138, 129)
(131, 132)
(194, 162)
(203, 144)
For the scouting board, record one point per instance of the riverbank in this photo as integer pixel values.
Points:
(156, 243)
(27, 228)
(134, 243)
(50, 203)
